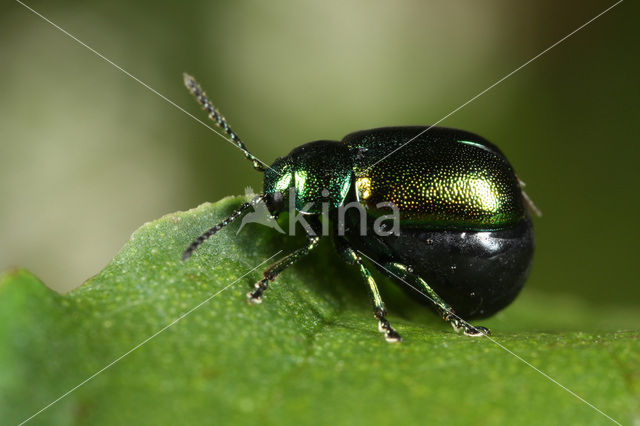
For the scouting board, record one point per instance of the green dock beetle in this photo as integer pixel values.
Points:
(465, 238)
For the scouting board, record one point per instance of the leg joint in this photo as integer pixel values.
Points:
(379, 312)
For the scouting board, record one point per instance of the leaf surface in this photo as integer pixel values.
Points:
(309, 354)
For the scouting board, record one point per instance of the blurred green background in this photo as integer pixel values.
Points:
(88, 154)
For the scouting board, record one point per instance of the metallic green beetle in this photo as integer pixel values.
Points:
(465, 238)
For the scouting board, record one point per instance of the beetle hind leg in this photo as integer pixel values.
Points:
(350, 256)
(406, 275)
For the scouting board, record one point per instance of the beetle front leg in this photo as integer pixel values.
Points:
(274, 270)
(353, 258)
(399, 270)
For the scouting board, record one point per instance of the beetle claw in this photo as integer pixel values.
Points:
(253, 299)
(390, 334)
(468, 329)
(477, 331)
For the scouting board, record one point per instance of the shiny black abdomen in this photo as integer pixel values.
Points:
(478, 273)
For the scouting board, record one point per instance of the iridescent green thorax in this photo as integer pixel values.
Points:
(321, 172)
(445, 179)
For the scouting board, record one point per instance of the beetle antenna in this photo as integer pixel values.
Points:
(208, 234)
(220, 121)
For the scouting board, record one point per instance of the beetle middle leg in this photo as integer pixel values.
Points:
(353, 258)
(399, 270)
(274, 270)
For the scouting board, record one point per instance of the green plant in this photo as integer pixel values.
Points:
(310, 354)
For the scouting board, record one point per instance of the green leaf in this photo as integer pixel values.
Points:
(310, 354)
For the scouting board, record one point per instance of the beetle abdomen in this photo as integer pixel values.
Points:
(477, 273)
(444, 179)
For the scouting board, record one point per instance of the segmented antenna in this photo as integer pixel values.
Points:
(220, 121)
(205, 236)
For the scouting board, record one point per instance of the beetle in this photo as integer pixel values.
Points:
(465, 237)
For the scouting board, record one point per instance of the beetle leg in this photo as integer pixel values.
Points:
(274, 270)
(399, 270)
(353, 258)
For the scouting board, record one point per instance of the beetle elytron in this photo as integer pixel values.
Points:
(466, 238)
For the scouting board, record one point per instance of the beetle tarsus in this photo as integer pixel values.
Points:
(253, 299)
(390, 334)
(468, 329)
(255, 296)
(456, 327)
(476, 331)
